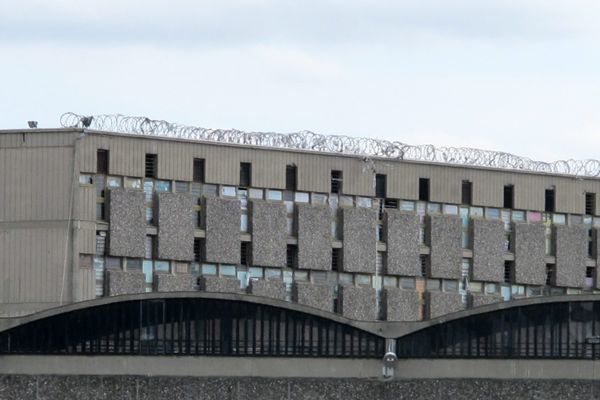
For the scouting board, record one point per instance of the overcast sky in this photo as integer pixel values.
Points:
(513, 75)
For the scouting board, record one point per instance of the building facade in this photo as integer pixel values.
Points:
(87, 214)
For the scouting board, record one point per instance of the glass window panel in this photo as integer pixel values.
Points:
(99, 181)
(149, 215)
(587, 220)
(492, 213)
(255, 272)
(244, 223)
(476, 211)
(534, 216)
(450, 286)
(242, 194)
(228, 191)
(346, 201)
(450, 209)
(195, 269)
(209, 269)
(289, 226)
(596, 221)
(334, 201)
(364, 202)
(85, 179)
(302, 197)
(134, 264)
(163, 186)
(182, 187)
(362, 279)
(113, 263)
(533, 291)
(421, 207)
(243, 277)
(147, 270)
(407, 205)
(276, 195)
(433, 208)
(518, 216)
(407, 283)
(319, 198)
(209, 190)
(575, 219)
(289, 206)
(133, 183)
(318, 276)
(390, 281)
(272, 273)
(227, 270)
(114, 182)
(301, 276)
(476, 287)
(288, 195)
(558, 219)
(255, 193)
(345, 278)
(491, 288)
(517, 290)
(162, 266)
(288, 276)
(505, 293)
(432, 285)
(377, 282)
(182, 268)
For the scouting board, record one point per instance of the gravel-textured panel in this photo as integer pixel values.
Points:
(175, 226)
(314, 237)
(219, 284)
(124, 282)
(165, 282)
(401, 232)
(18, 387)
(222, 243)
(488, 250)
(187, 388)
(402, 305)
(358, 302)
(571, 254)
(360, 251)
(68, 387)
(480, 299)
(127, 217)
(262, 388)
(313, 295)
(269, 234)
(274, 289)
(446, 252)
(442, 303)
(530, 251)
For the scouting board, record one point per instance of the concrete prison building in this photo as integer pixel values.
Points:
(290, 252)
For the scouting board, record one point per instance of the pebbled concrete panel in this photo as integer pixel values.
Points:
(442, 303)
(571, 254)
(445, 232)
(402, 305)
(488, 250)
(530, 252)
(480, 299)
(124, 282)
(274, 289)
(18, 387)
(127, 218)
(220, 284)
(165, 282)
(175, 226)
(222, 243)
(269, 234)
(359, 251)
(314, 237)
(401, 233)
(313, 295)
(358, 302)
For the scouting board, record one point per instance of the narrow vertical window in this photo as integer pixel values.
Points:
(424, 265)
(198, 170)
(424, 189)
(245, 174)
(590, 203)
(245, 253)
(508, 271)
(336, 259)
(198, 248)
(291, 178)
(291, 256)
(549, 204)
(151, 165)
(336, 181)
(550, 275)
(102, 162)
(380, 186)
(509, 196)
(467, 193)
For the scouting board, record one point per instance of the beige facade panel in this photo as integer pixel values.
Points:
(84, 284)
(85, 240)
(84, 208)
(34, 138)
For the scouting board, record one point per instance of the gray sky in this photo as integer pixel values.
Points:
(513, 75)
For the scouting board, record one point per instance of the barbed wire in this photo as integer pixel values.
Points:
(307, 140)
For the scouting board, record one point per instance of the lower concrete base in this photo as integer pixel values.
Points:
(87, 387)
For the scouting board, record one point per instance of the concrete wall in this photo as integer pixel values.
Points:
(274, 289)
(175, 226)
(445, 241)
(402, 305)
(401, 233)
(359, 251)
(313, 295)
(223, 230)
(441, 303)
(314, 228)
(358, 302)
(571, 255)
(124, 282)
(165, 282)
(127, 217)
(488, 250)
(269, 234)
(530, 250)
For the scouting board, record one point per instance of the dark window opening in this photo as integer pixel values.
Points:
(245, 253)
(550, 275)
(589, 272)
(151, 165)
(424, 265)
(198, 250)
(591, 243)
(509, 196)
(102, 162)
(380, 186)
(509, 268)
(291, 256)
(149, 247)
(291, 178)
(199, 170)
(467, 192)
(245, 174)
(336, 259)
(590, 203)
(100, 211)
(424, 189)
(391, 203)
(336, 181)
(549, 201)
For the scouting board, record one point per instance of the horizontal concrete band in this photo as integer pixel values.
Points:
(274, 367)
(191, 366)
